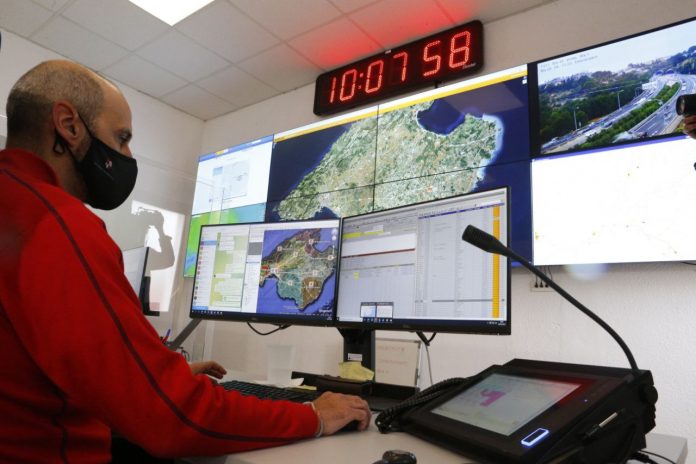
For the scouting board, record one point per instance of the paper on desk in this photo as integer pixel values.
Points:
(290, 383)
(353, 370)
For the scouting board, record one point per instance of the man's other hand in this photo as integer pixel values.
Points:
(210, 368)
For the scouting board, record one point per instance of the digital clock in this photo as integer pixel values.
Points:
(440, 57)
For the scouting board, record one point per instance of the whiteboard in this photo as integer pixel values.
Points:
(397, 361)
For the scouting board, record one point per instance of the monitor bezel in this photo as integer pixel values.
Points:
(485, 328)
(276, 319)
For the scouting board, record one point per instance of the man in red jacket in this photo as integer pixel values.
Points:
(78, 358)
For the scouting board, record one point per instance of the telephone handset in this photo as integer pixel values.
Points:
(389, 419)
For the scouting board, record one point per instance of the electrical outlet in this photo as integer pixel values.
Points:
(541, 287)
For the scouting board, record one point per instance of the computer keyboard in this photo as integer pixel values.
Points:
(270, 392)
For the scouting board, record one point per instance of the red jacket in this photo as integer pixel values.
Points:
(77, 357)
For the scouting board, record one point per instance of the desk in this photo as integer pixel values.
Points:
(367, 447)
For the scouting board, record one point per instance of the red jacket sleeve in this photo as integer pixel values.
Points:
(81, 322)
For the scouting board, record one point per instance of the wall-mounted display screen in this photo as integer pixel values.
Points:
(613, 177)
(231, 187)
(629, 204)
(459, 138)
(615, 93)
(593, 122)
(456, 139)
(325, 169)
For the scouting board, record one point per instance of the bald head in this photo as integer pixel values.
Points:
(32, 97)
(58, 109)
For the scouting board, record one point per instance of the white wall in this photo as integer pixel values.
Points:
(650, 305)
(166, 144)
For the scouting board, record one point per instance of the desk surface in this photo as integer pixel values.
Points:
(367, 447)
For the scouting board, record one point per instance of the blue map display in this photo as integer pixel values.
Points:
(269, 300)
(506, 103)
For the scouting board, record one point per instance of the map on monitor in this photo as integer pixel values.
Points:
(270, 272)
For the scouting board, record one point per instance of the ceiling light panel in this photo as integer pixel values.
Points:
(171, 11)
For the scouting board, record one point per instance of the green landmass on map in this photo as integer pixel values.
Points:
(413, 164)
(405, 150)
(299, 267)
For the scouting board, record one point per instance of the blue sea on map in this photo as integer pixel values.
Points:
(505, 102)
(269, 302)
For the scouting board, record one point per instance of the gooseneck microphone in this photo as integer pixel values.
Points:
(487, 242)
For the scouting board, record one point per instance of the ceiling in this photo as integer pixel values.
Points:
(234, 53)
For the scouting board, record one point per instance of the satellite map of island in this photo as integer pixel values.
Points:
(327, 169)
(298, 271)
(449, 143)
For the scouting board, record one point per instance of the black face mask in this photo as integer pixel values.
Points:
(108, 175)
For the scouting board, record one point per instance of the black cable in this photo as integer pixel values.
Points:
(280, 327)
(426, 341)
(638, 456)
(657, 456)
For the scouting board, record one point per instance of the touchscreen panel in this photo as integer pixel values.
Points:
(504, 403)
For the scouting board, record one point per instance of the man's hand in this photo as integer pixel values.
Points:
(690, 126)
(210, 368)
(337, 410)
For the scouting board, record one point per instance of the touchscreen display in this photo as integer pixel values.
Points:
(504, 403)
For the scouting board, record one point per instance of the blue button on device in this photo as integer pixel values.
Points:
(534, 437)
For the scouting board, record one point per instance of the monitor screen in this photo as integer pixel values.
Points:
(504, 403)
(616, 93)
(407, 268)
(134, 267)
(231, 187)
(629, 204)
(267, 272)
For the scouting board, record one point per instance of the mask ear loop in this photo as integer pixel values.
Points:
(59, 144)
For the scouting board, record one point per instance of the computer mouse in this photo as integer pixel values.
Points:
(351, 426)
(399, 457)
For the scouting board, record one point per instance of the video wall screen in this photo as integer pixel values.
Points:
(589, 144)
(613, 176)
(460, 138)
(615, 93)
(231, 187)
(325, 169)
(469, 136)
(628, 204)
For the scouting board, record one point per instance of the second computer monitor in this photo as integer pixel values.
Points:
(407, 268)
(279, 273)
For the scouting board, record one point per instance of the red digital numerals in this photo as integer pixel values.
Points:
(442, 56)
(457, 54)
(351, 82)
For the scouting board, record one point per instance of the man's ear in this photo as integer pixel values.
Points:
(67, 123)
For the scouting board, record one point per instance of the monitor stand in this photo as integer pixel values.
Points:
(359, 345)
(183, 335)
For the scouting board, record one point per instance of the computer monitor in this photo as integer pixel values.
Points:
(407, 268)
(282, 273)
(134, 266)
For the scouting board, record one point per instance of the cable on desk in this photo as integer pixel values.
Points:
(430, 366)
(280, 327)
(644, 452)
